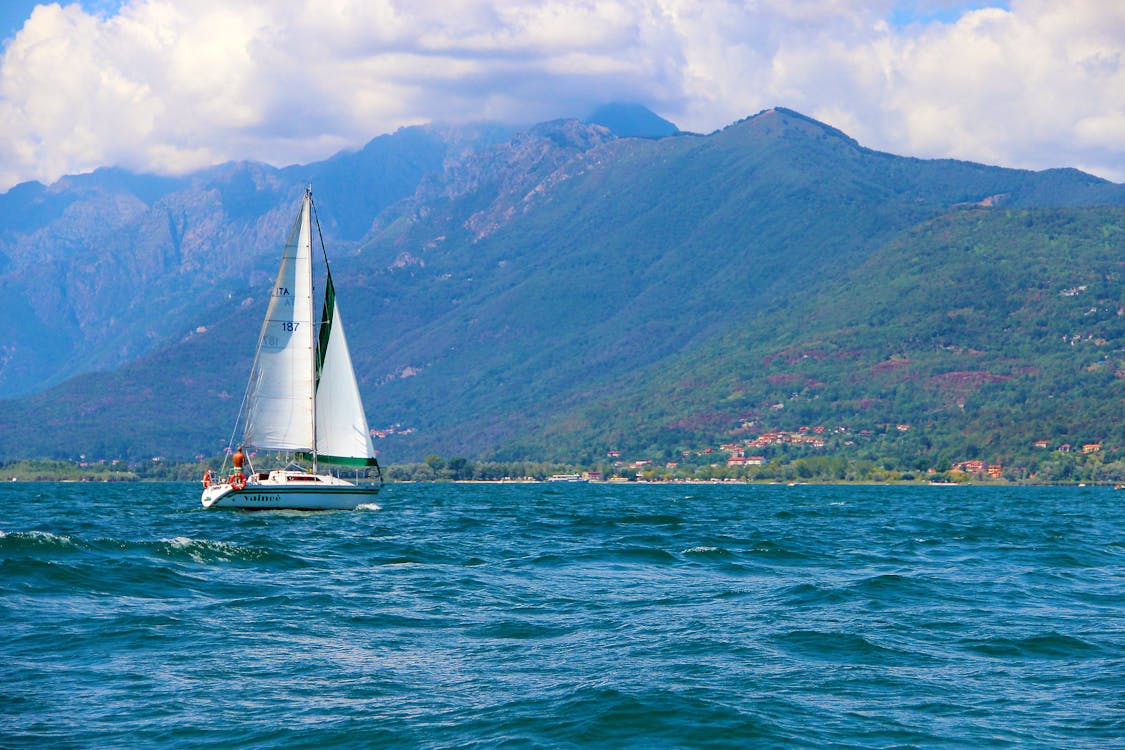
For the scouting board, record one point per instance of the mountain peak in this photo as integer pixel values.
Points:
(631, 120)
(777, 121)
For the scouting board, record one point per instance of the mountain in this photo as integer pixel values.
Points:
(640, 252)
(99, 269)
(566, 290)
(629, 120)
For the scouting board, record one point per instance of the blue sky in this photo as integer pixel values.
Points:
(910, 12)
(14, 12)
(169, 86)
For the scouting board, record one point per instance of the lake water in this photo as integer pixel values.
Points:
(565, 615)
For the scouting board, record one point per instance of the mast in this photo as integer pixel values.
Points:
(311, 337)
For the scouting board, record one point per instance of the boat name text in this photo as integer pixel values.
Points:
(262, 498)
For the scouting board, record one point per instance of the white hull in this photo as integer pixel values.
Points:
(289, 490)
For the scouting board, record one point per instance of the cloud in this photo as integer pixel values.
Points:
(172, 85)
(1013, 87)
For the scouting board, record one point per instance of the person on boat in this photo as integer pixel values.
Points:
(237, 460)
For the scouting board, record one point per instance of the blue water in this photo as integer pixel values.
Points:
(529, 616)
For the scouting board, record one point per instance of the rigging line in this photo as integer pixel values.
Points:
(325, 313)
(320, 234)
(255, 374)
(237, 421)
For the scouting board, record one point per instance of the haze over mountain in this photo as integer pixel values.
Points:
(567, 289)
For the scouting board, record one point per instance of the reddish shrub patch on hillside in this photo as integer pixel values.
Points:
(971, 380)
(893, 370)
(793, 380)
(955, 386)
(890, 364)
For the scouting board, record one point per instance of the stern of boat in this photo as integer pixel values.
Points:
(215, 488)
(214, 493)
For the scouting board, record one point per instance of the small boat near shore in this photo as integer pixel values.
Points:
(565, 478)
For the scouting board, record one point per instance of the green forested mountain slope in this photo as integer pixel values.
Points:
(567, 291)
(982, 331)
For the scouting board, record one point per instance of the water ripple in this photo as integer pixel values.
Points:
(527, 616)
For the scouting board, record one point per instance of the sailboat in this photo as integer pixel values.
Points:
(302, 399)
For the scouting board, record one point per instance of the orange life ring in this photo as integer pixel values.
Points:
(237, 481)
(206, 479)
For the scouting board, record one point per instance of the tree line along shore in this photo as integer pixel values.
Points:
(1102, 467)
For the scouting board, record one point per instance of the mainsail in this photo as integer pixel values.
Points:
(303, 395)
(279, 412)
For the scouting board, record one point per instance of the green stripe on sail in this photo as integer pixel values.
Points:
(339, 460)
(325, 325)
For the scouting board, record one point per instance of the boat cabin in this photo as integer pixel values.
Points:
(291, 476)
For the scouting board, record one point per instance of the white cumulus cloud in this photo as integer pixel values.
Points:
(173, 85)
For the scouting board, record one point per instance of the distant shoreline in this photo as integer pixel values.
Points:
(645, 483)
